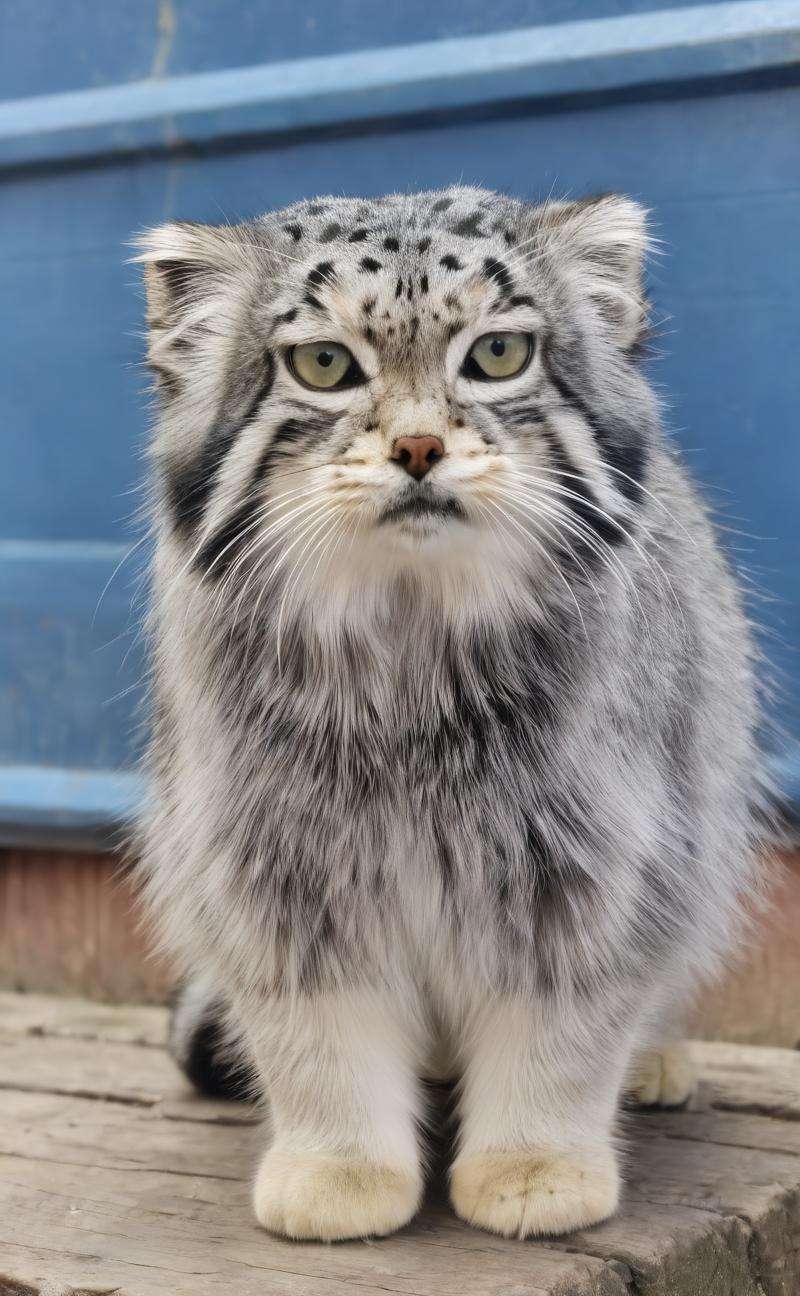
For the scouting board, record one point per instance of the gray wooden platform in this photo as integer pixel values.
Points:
(116, 1179)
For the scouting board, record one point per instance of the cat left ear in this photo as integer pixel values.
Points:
(603, 242)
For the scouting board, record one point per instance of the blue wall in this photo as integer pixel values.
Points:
(123, 115)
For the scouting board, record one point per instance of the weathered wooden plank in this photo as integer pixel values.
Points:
(756, 1079)
(736, 1129)
(39, 1014)
(673, 1249)
(762, 1188)
(114, 1072)
(112, 1136)
(121, 1072)
(150, 1192)
(180, 1227)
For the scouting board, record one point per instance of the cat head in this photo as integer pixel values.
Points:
(403, 383)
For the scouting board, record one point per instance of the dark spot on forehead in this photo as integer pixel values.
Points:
(423, 284)
(357, 236)
(313, 302)
(330, 232)
(370, 265)
(499, 273)
(455, 326)
(450, 262)
(369, 334)
(468, 226)
(509, 238)
(368, 306)
(410, 289)
(316, 209)
(296, 231)
(398, 292)
(322, 273)
(521, 299)
(288, 317)
(442, 204)
(391, 244)
(452, 301)
(423, 245)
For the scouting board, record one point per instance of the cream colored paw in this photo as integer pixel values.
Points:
(664, 1077)
(327, 1198)
(527, 1194)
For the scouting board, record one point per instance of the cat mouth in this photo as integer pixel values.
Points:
(421, 506)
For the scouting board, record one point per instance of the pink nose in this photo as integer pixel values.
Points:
(417, 454)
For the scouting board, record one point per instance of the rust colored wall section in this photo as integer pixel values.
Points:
(69, 924)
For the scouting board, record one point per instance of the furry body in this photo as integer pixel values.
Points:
(456, 776)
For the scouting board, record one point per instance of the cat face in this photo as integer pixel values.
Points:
(355, 384)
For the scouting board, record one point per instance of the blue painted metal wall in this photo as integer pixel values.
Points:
(119, 116)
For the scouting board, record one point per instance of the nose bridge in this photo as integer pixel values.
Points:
(405, 414)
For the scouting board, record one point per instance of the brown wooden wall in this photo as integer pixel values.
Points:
(69, 924)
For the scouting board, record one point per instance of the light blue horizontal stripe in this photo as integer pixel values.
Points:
(49, 551)
(606, 55)
(35, 795)
(69, 801)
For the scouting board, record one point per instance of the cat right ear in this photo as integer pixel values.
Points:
(189, 269)
(183, 261)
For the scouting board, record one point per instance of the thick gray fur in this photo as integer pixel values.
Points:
(504, 748)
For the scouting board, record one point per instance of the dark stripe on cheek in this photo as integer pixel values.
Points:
(621, 447)
(189, 488)
(585, 506)
(221, 550)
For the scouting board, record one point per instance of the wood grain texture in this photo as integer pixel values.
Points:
(113, 1178)
(69, 924)
(758, 1000)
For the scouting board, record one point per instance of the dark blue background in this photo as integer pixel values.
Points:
(718, 162)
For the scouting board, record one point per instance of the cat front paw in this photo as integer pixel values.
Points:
(663, 1077)
(531, 1194)
(326, 1198)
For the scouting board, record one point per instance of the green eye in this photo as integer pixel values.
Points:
(499, 355)
(324, 365)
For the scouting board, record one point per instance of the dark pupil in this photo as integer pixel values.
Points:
(498, 347)
(325, 358)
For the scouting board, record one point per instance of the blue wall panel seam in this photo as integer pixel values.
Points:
(611, 54)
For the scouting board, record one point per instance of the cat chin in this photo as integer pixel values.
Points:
(427, 531)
